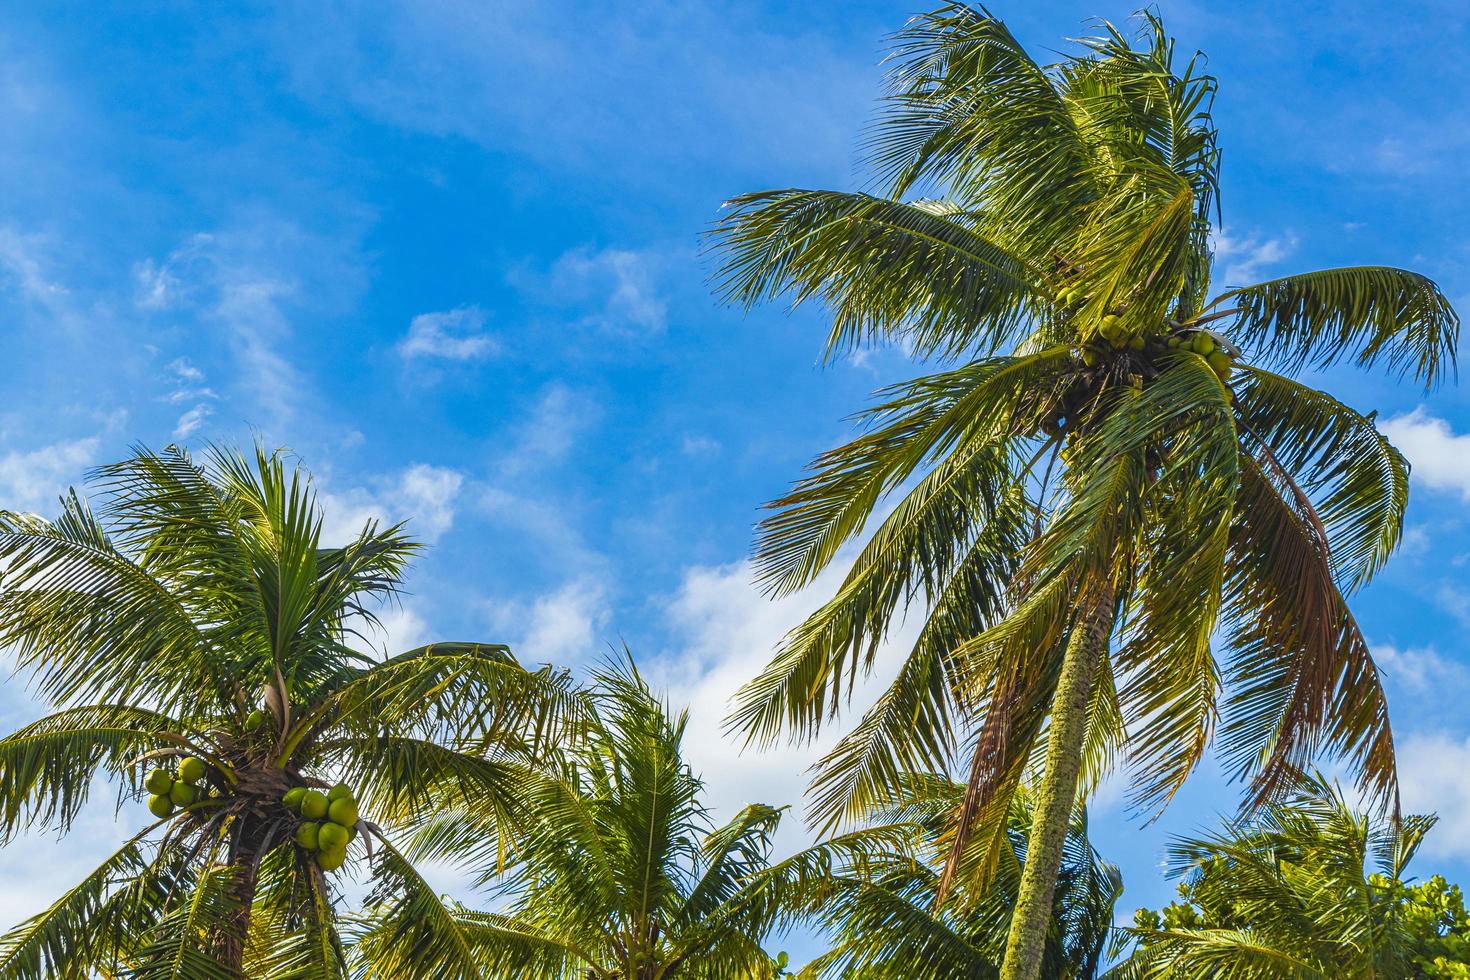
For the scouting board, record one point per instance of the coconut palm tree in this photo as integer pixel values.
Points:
(609, 868)
(875, 892)
(1308, 887)
(196, 621)
(1112, 467)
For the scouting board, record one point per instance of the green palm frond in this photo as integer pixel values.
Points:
(60, 940)
(1306, 887)
(923, 274)
(1357, 482)
(970, 109)
(1367, 313)
(47, 767)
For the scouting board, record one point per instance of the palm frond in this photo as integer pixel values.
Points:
(1367, 313)
(921, 274)
(1358, 483)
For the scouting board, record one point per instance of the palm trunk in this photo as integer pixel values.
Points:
(245, 862)
(1026, 941)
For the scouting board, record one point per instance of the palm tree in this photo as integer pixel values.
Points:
(609, 868)
(875, 891)
(1309, 887)
(1113, 468)
(197, 616)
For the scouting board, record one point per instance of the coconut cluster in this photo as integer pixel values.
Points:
(177, 789)
(1208, 346)
(328, 822)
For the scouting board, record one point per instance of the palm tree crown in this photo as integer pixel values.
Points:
(1118, 472)
(875, 892)
(197, 616)
(1309, 887)
(608, 865)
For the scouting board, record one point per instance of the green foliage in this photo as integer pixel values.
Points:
(875, 893)
(1308, 887)
(1103, 428)
(160, 625)
(606, 865)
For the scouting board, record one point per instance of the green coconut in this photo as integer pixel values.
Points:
(254, 720)
(1203, 344)
(292, 800)
(1222, 362)
(160, 806)
(191, 770)
(183, 794)
(1136, 342)
(314, 804)
(331, 860)
(1174, 341)
(339, 792)
(332, 837)
(343, 811)
(159, 782)
(307, 835)
(1089, 357)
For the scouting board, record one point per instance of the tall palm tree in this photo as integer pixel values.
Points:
(1115, 467)
(609, 868)
(197, 616)
(875, 891)
(1309, 887)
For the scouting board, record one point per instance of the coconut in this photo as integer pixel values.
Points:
(160, 806)
(292, 800)
(331, 860)
(307, 835)
(191, 770)
(1174, 341)
(339, 792)
(159, 782)
(314, 804)
(1089, 356)
(1203, 344)
(183, 794)
(332, 837)
(254, 720)
(1136, 342)
(343, 811)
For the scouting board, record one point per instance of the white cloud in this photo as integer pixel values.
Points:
(622, 280)
(1244, 257)
(1434, 776)
(563, 627)
(1440, 458)
(31, 480)
(725, 631)
(423, 495)
(1422, 671)
(546, 437)
(453, 334)
(191, 421)
(700, 446)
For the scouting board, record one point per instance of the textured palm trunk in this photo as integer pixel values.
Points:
(245, 862)
(1026, 941)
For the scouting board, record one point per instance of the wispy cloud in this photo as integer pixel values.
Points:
(426, 496)
(1242, 257)
(32, 480)
(455, 335)
(563, 627)
(551, 430)
(1440, 458)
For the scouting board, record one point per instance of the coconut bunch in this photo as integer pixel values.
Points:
(1209, 345)
(327, 824)
(174, 790)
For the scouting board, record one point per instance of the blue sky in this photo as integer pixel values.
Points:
(448, 253)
